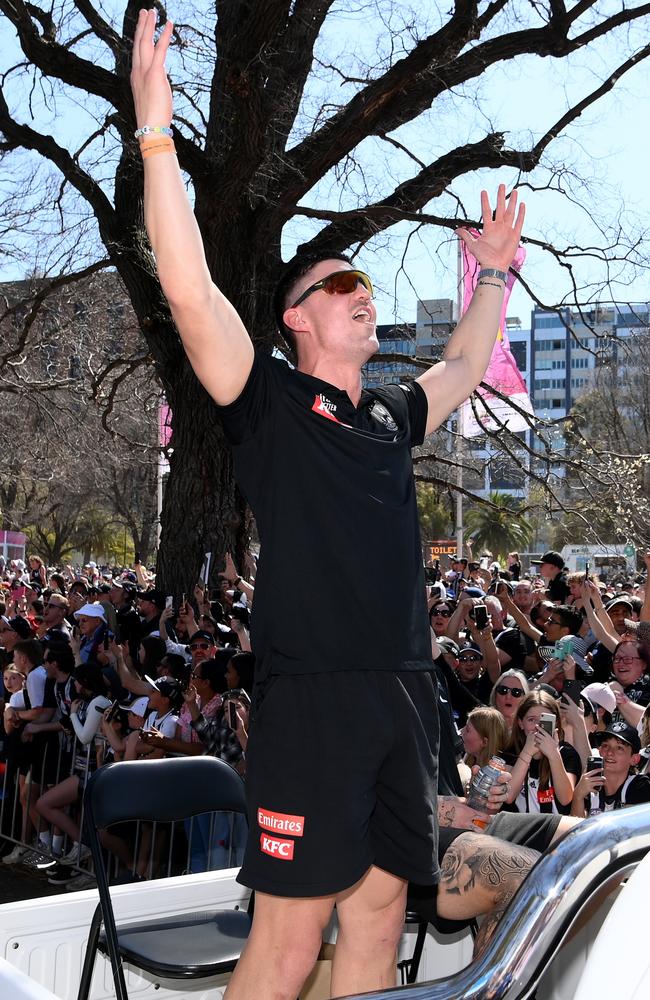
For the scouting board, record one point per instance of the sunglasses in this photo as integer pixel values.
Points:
(441, 613)
(503, 689)
(200, 645)
(339, 283)
(472, 659)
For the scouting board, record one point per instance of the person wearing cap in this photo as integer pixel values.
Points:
(91, 622)
(151, 603)
(616, 785)
(472, 673)
(12, 630)
(551, 567)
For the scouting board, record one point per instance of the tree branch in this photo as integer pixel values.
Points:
(413, 83)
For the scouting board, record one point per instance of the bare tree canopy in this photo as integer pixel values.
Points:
(281, 110)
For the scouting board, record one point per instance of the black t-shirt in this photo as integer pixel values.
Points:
(638, 692)
(558, 589)
(480, 688)
(513, 642)
(340, 581)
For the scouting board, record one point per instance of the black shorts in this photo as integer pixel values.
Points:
(341, 774)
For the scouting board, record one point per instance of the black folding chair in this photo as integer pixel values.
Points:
(194, 946)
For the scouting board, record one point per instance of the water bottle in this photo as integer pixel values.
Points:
(482, 782)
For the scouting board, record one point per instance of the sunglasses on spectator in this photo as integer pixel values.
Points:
(338, 283)
(200, 645)
(196, 677)
(503, 689)
(442, 612)
(470, 659)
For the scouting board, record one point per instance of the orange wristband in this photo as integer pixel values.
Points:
(161, 144)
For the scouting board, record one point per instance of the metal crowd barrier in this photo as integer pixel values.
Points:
(199, 844)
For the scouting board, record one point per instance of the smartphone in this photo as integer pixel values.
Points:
(231, 709)
(562, 649)
(547, 722)
(594, 764)
(481, 616)
(136, 560)
(169, 602)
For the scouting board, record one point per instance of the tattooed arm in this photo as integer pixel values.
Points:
(479, 875)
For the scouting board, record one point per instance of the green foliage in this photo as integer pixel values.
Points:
(498, 526)
(434, 514)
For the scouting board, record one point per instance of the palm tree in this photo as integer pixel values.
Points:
(498, 526)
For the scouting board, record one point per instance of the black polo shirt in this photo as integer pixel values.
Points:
(340, 581)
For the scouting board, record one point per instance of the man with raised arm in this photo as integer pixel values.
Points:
(342, 755)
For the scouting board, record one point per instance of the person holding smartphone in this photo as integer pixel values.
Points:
(615, 784)
(545, 768)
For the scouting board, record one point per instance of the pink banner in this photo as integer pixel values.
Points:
(502, 373)
(164, 425)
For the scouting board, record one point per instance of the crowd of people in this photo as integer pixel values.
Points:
(99, 666)
(546, 670)
(549, 671)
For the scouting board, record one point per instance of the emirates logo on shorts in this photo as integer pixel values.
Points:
(281, 822)
(281, 849)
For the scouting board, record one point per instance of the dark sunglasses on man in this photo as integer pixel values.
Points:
(338, 283)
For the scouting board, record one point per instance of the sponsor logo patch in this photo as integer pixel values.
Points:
(281, 849)
(325, 407)
(281, 822)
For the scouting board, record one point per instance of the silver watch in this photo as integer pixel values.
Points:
(492, 272)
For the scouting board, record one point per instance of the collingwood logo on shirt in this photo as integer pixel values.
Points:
(380, 413)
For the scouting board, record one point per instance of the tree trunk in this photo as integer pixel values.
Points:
(202, 510)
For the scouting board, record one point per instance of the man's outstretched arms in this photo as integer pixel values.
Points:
(214, 337)
(468, 352)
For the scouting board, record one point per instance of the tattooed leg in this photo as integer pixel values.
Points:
(479, 875)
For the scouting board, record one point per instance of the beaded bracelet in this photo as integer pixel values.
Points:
(492, 272)
(149, 129)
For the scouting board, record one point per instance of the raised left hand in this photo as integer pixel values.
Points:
(497, 243)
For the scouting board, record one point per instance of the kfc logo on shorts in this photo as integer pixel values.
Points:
(281, 849)
(281, 822)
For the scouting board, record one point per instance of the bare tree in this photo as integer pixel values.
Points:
(271, 128)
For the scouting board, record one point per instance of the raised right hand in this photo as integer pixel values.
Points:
(152, 93)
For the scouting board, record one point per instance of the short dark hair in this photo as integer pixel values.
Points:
(61, 654)
(569, 617)
(32, 649)
(292, 272)
(214, 672)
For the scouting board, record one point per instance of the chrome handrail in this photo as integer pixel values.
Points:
(534, 925)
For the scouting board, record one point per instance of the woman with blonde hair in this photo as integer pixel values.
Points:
(485, 735)
(511, 686)
(545, 768)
